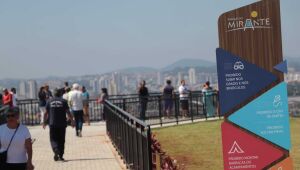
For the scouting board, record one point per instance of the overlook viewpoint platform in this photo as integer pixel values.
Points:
(93, 151)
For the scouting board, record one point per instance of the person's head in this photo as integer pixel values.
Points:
(12, 115)
(104, 90)
(75, 86)
(56, 92)
(83, 89)
(207, 83)
(13, 90)
(168, 82)
(67, 89)
(66, 84)
(5, 91)
(46, 87)
(183, 82)
(41, 88)
(143, 83)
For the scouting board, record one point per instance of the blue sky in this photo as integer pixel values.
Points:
(75, 37)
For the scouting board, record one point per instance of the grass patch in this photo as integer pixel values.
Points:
(200, 144)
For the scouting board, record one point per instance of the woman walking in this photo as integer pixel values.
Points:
(15, 143)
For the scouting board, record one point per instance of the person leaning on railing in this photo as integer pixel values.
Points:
(143, 96)
(184, 98)
(101, 100)
(15, 143)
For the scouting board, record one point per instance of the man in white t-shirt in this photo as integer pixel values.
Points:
(184, 98)
(76, 105)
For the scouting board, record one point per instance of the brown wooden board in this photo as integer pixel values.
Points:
(261, 45)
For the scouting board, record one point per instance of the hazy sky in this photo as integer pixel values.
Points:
(76, 37)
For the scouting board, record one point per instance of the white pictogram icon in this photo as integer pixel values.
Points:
(277, 101)
(238, 66)
(235, 148)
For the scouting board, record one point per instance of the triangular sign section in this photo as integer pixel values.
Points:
(267, 116)
(238, 79)
(256, 153)
(286, 164)
(282, 67)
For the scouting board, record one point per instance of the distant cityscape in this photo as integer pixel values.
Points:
(126, 81)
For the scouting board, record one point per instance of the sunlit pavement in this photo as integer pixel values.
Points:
(93, 151)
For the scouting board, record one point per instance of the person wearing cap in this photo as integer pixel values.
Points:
(15, 139)
(76, 104)
(56, 110)
(7, 98)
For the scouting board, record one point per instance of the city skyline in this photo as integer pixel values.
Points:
(69, 38)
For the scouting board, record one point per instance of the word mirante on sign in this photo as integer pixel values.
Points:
(254, 22)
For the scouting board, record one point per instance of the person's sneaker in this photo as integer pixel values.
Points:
(56, 157)
(80, 134)
(77, 133)
(61, 158)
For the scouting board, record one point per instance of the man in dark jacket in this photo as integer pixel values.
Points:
(56, 110)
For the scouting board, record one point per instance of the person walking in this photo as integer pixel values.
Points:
(103, 97)
(85, 97)
(168, 94)
(42, 103)
(76, 104)
(184, 98)
(208, 99)
(15, 143)
(13, 92)
(143, 96)
(7, 98)
(56, 110)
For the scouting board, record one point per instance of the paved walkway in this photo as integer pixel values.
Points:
(91, 152)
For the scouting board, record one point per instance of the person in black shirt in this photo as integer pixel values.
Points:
(56, 110)
(168, 93)
(143, 95)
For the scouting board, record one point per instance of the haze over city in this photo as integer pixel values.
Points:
(63, 38)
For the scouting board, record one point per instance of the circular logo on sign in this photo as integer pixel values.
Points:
(254, 14)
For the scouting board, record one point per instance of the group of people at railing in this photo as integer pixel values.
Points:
(168, 96)
(64, 106)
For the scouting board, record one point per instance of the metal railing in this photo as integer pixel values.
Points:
(130, 136)
(30, 111)
(200, 106)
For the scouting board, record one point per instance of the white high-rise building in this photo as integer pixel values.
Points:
(94, 85)
(112, 89)
(32, 89)
(159, 78)
(192, 76)
(180, 77)
(22, 90)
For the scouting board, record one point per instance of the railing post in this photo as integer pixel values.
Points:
(124, 104)
(159, 110)
(204, 104)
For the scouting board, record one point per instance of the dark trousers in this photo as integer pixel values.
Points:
(143, 109)
(15, 166)
(57, 139)
(78, 120)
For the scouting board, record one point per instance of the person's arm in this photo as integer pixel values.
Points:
(70, 117)
(28, 146)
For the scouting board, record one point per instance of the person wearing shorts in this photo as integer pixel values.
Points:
(184, 98)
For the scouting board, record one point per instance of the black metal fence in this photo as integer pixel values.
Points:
(30, 113)
(200, 106)
(130, 136)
